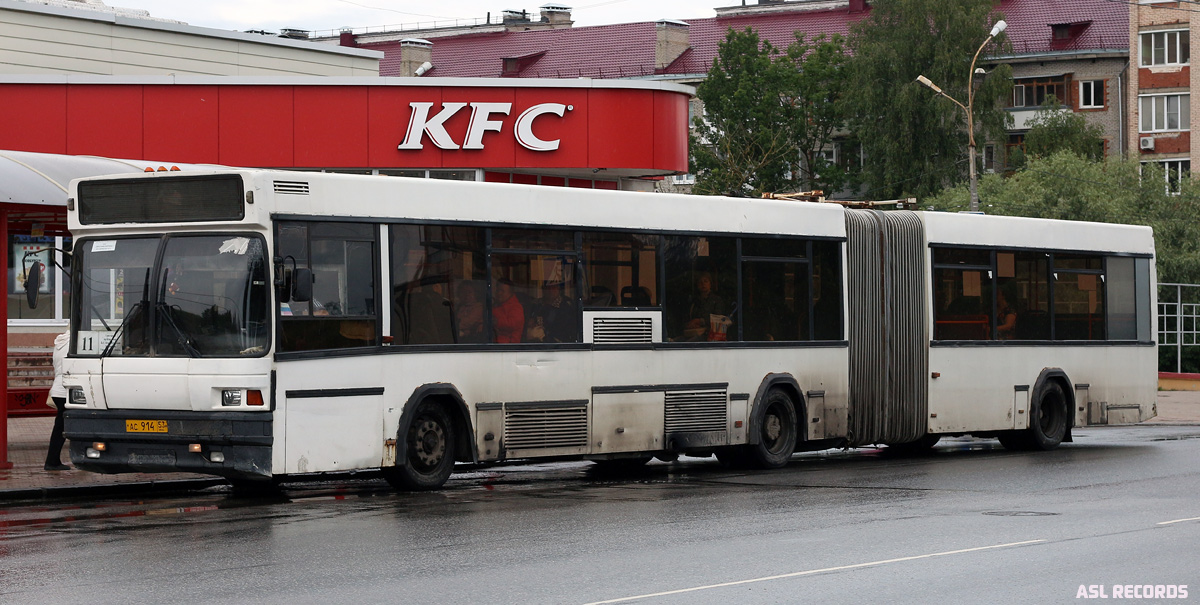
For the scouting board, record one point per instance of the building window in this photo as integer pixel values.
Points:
(1165, 48)
(1091, 94)
(1173, 172)
(448, 175)
(848, 154)
(1032, 92)
(1161, 113)
(988, 159)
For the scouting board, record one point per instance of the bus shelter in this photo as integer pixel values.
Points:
(33, 201)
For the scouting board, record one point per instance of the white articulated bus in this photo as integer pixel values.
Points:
(261, 324)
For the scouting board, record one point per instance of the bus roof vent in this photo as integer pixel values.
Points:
(632, 326)
(291, 187)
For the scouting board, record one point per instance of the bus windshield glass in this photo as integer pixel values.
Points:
(173, 296)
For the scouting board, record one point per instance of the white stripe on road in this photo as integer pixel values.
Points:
(1179, 521)
(815, 571)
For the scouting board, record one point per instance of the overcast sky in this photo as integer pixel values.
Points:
(319, 15)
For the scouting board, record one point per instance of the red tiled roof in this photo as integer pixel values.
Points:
(1029, 24)
(627, 50)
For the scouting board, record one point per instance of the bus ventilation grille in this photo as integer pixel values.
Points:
(545, 428)
(622, 330)
(291, 187)
(695, 411)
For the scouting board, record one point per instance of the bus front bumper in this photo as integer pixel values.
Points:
(236, 445)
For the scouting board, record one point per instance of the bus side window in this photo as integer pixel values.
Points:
(827, 290)
(437, 284)
(535, 289)
(1122, 298)
(962, 294)
(622, 269)
(701, 289)
(1079, 299)
(342, 312)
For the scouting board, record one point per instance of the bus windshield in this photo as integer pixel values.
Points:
(172, 296)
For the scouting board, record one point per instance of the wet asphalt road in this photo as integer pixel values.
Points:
(970, 523)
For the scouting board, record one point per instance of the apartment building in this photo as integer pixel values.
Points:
(1160, 126)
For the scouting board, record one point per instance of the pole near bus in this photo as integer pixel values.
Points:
(996, 29)
(4, 462)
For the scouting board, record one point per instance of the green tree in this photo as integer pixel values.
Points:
(915, 141)
(768, 115)
(818, 98)
(1055, 128)
(744, 143)
(1067, 186)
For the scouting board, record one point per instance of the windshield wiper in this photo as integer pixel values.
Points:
(112, 342)
(184, 340)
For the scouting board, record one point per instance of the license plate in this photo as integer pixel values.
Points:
(145, 426)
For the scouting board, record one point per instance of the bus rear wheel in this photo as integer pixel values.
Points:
(776, 432)
(429, 451)
(1048, 419)
(1047, 423)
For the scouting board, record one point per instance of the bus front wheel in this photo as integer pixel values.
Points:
(428, 458)
(776, 432)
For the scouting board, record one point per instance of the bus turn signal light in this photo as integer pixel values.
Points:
(254, 398)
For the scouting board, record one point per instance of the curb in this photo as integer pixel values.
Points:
(109, 489)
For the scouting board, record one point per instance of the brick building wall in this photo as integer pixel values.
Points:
(1145, 18)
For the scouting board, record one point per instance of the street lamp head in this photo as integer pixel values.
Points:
(931, 85)
(998, 27)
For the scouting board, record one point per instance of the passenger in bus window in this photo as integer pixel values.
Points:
(704, 306)
(469, 313)
(557, 315)
(429, 315)
(508, 315)
(1006, 316)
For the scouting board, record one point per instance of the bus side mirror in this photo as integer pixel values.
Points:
(302, 281)
(33, 282)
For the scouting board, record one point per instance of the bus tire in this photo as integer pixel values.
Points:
(621, 466)
(732, 457)
(914, 448)
(776, 432)
(429, 451)
(1048, 418)
(1014, 441)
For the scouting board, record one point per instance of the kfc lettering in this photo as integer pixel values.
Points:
(421, 124)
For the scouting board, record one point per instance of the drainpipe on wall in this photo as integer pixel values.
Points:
(1121, 110)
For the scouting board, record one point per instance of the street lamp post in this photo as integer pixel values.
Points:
(996, 29)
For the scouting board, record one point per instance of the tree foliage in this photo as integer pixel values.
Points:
(1067, 186)
(818, 98)
(743, 145)
(916, 141)
(1054, 129)
(764, 110)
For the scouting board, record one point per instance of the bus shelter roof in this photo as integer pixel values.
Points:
(42, 179)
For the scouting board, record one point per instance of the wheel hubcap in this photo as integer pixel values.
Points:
(429, 442)
(772, 428)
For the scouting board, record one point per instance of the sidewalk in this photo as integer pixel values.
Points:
(28, 438)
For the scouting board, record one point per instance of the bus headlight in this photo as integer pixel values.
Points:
(75, 396)
(231, 397)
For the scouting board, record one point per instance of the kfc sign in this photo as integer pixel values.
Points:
(421, 124)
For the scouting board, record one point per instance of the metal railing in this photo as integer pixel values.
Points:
(1178, 319)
